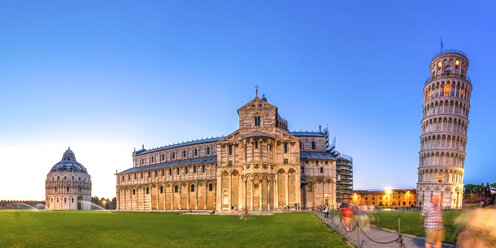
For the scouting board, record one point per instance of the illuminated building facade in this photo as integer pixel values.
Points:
(385, 198)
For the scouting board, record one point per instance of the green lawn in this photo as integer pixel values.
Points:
(118, 229)
(411, 223)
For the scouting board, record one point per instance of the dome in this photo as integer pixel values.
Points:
(68, 163)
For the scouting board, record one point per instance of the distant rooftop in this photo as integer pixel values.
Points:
(186, 143)
(316, 155)
(307, 133)
(203, 160)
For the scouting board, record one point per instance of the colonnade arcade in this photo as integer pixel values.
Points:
(259, 190)
(451, 196)
(189, 195)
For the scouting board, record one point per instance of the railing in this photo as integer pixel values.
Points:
(357, 228)
(449, 51)
(347, 157)
(454, 75)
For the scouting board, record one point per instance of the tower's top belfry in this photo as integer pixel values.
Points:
(449, 62)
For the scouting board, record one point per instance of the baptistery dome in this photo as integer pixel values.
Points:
(68, 163)
(68, 185)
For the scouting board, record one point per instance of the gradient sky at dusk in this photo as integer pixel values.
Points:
(106, 76)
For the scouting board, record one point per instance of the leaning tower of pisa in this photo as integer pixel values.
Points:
(444, 130)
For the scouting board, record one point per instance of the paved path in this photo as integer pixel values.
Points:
(362, 237)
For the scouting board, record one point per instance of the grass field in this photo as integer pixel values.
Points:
(411, 223)
(119, 229)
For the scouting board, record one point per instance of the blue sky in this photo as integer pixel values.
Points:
(106, 76)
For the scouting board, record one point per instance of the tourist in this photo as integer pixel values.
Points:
(326, 212)
(346, 215)
(245, 214)
(478, 228)
(433, 223)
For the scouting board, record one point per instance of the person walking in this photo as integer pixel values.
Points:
(326, 212)
(433, 223)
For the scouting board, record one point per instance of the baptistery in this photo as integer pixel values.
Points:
(68, 185)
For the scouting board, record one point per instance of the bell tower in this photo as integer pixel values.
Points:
(444, 130)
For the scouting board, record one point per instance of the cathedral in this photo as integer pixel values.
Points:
(261, 167)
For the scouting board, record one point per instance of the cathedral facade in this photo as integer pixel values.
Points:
(261, 166)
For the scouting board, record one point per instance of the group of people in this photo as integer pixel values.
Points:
(347, 212)
(476, 228)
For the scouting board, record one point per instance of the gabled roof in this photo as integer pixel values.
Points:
(203, 160)
(256, 100)
(259, 134)
(187, 143)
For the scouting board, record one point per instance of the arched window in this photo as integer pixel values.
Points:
(161, 189)
(184, 153)
(65, 200)
(313, 145)
(67, 189)
(446, 90)
(173, 155)
(170, 171)
(321, 169)
(175, 188)
(196, 152)
(210, 187)
(208, 150)
(147, 190)
(186, 170)
(256, 144)
(177, 172)
(163, 157)
(194, 169)
(163, 173)
(134, 191)
(192, 188)
(72, 199)
(155, 173)
(230, 150)
(285, 147)
(203, 168)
